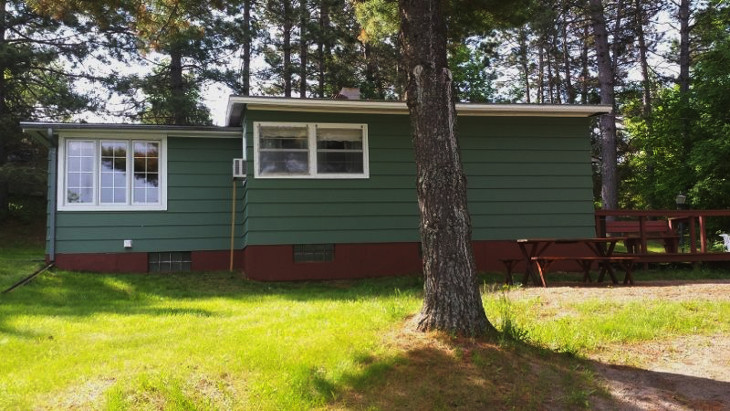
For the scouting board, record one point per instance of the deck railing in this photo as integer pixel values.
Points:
(692, 218)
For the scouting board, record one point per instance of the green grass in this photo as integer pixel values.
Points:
(211, 340)
(216, 341)
(21, 250)
(584, 326)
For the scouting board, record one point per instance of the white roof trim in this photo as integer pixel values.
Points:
(133, 129)
(399, 107)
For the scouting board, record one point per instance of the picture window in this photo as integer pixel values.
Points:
(111, 174)
(310, 150)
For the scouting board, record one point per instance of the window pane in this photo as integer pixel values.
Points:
(271, 137)
(80, 172)
(74, 164)
(113, 170)
(152, 195)
(79, 195)
(120, 195)
(146, 169)
(339, 162)
(107, 195)
(339, 150)
(339, 134)
(339, 145)
(284, 162)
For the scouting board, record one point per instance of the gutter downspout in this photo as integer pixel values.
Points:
(52, 194)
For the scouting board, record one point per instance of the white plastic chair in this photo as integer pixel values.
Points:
(726, 241)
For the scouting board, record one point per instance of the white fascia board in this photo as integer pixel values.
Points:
(107, 130)
(399, 107)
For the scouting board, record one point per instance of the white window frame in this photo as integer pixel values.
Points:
(96, 205)
(312, 150)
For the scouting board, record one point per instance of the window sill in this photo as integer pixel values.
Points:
(315, 177)
(156, 207)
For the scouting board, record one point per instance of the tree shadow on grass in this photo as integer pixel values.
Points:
(636, 388)
(70, 294)
(435, 373)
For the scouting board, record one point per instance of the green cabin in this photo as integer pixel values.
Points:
(297, 189)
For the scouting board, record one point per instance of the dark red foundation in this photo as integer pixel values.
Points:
(276, 262)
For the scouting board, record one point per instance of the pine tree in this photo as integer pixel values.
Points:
(33, 83)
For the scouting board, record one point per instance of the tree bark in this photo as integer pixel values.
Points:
(646, 100)
(540, 74)
(452, 302)
(584, 74)
(323, 46)
(609, 181)
(684, 80)
(4, 116)
(524, 62)
(286, 47)
(551, 79)
(643, 61)
(179, 116)
(246, 55)
(569, 90)
(303, 47)
(615, 45)
(684, 57)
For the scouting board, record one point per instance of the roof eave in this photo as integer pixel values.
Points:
(237, 104)
(131, 128)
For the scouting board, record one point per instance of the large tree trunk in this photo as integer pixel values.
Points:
(609, 180)
(569, 90)
(540, 73)
(246, 55)
(646, 100)
(179, 116)
(549, 65)
(684, 57)
(452, 301)
(584, 73)
(643, 60)
(323, 47)
(524, 61)
(4, 117)
(684, 81)
(286, 47)
(303, 47)
(616, 44)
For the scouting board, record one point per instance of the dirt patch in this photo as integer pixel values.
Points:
(712, 290)
(438, 372)
(687, 373)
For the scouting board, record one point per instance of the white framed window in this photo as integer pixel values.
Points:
(310, 150)
(112, 174)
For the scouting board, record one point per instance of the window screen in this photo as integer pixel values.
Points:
(169, 262)
(304, 253)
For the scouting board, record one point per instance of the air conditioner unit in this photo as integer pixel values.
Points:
(239, 168)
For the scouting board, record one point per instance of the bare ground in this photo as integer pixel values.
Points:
(688, 373)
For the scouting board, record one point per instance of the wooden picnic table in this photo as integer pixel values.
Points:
(600, 250)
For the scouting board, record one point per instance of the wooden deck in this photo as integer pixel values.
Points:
(695, 221)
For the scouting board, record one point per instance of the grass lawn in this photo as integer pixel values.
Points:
(216, 341)
(21, 251)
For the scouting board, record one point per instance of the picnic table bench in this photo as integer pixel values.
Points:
(653, 229)
(585, 262)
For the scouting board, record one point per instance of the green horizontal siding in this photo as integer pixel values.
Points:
(198, 215)
(526, 177)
